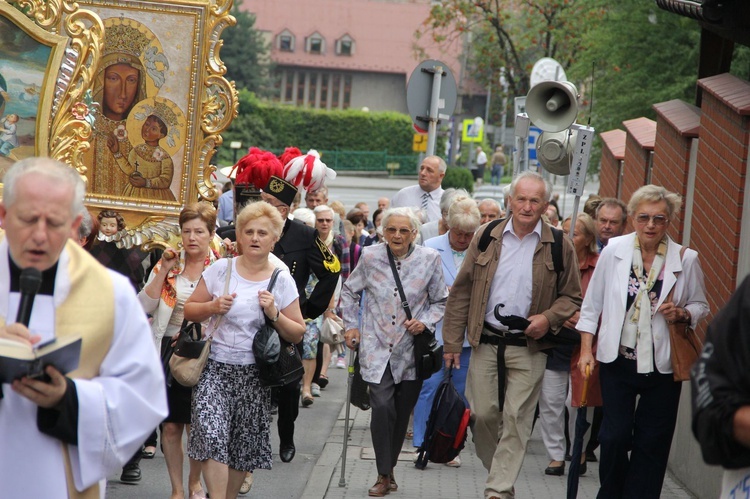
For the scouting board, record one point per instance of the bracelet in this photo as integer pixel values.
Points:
(278, 313)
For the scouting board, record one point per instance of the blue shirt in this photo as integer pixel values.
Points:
(226, 206)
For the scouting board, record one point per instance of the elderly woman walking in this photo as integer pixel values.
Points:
(171, 282)
(230, 434)
(386, 343)
(641, 282)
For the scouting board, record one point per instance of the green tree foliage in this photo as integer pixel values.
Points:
(245, 54)
(640, 55)
(513, 34)
(458, 178)
(274, 127)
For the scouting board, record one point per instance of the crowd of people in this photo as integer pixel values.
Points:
(505, 291)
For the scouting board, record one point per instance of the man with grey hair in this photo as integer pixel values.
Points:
(316, 198)
(75, 427)
(490, 210)
(426, 194)
(507, 296)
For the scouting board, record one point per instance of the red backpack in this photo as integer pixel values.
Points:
(446, 433)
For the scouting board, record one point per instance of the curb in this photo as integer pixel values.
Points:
(328, 462)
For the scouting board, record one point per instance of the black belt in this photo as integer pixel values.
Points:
(498, 336)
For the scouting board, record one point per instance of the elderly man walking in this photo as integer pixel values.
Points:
(514, 277)
(61, 436)
(424, 196)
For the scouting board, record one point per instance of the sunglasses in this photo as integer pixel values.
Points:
(643, 219)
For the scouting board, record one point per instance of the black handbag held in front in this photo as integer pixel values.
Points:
(428, 354)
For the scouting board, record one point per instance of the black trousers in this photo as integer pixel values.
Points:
(287, 398)
(391, 405)
(644, 429)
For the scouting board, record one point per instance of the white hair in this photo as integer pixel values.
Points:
(305, 215)
(47, 167)
(401, 212)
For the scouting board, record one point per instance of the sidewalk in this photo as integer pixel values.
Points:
(437, 480)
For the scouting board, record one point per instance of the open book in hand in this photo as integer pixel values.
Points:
(18, 359)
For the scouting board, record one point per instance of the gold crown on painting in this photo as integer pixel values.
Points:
(124, 39)
(168, 116)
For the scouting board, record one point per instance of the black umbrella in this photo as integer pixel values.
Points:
(582, 427)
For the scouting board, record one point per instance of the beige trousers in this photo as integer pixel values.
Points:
(501, 437)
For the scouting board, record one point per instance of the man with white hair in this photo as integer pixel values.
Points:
(63, 434)
(424, 196)
(507, 296)
(490, 210)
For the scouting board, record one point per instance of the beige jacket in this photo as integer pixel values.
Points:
(555, 298)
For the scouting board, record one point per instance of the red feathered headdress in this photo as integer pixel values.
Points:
(289, 154)
(308, 171)
(257, 167)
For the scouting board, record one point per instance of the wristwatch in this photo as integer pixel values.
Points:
(278, 312)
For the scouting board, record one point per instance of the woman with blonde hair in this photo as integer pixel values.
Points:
(229, 388)
(643, 281)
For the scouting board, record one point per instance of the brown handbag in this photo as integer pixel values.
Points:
(685, 344)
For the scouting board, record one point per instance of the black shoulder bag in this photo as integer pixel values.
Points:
(278, 361)
(428, 354)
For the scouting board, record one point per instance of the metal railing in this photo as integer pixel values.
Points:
(371, 161)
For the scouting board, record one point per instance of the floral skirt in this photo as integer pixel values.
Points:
(231, 418)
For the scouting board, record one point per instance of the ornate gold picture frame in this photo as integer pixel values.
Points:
(44, 77)
(161, 102)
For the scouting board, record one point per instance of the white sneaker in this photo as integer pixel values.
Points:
(315, 390)
(341, 363)
(456, 463)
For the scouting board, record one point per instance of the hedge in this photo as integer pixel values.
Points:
(274, 127)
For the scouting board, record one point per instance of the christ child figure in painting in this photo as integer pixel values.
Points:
(8, 134)
(148, 166)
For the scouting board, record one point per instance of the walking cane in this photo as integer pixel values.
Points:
(352, 354)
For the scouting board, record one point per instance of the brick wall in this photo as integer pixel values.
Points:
(613, 152)
(720, 181)
(639, 143)
(677, 125)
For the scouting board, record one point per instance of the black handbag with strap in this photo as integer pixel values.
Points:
(279, 362)
(428, 354)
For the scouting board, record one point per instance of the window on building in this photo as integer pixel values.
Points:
(335, 89)
(289, 87)
(316, 44)
(285, 41)
(347, 91)
(300, 89)
(345, 45)
(313, 90)
(324, 91)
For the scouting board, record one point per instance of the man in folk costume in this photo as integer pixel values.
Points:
(304, 253)
(63, 436)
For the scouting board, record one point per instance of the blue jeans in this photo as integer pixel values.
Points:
(497, 174)
(427, 395)
(645, 430)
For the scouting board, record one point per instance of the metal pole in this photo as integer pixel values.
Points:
(487, 103)
(576, 201)
(352, 353)
(437, 78)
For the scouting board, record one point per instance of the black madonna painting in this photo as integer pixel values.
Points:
(23, 63)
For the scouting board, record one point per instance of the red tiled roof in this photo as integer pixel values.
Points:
(383, 33)
(730, 90)
(684, 117)
(643, 131)
(615, 142)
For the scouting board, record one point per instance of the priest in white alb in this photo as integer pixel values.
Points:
(61, 437)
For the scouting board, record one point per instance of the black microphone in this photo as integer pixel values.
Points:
(31, 281)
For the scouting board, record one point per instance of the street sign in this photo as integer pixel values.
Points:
(472, 130)
(534, 133)
(580, 161)
(419, 143)
(419, 93)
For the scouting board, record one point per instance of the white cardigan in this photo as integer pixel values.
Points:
(607, 297)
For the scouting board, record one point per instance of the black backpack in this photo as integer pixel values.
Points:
(445, 435)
